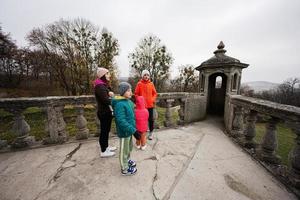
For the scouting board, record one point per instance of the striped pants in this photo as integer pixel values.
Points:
(125, 149)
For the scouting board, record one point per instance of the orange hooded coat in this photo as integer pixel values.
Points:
(147, 90)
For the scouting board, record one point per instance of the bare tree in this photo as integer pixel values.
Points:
(150, 54)
(189, 78)
(77, 48)
(288, 92)
(10, 70)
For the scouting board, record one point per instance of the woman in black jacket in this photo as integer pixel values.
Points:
(103, 96)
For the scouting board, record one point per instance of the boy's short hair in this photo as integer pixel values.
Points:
(123, 87)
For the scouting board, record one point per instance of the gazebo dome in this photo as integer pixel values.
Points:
(221, 60)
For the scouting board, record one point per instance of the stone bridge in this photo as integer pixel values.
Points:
(198, 157)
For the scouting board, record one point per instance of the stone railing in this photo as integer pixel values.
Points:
(248, 108)
(55, 125)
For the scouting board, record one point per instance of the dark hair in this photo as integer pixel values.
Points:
(103, 78)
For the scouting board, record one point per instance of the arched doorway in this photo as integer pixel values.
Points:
(216, 93)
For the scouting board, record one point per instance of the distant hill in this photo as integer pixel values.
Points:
(123, 79)
(259, 86)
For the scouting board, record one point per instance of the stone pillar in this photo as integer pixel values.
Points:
(238, 122)
(239, 84)
(21, 129)
(181, 111)
(55, 125)
(206, 82)
(81, 124)
(229, 83)
(267, 151)
(168, 115)
(250, 130)
(294, 156)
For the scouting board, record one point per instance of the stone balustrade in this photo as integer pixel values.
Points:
(55, 126)
(247, 108)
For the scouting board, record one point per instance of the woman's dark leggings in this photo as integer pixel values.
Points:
(151, 119)
(105, 124)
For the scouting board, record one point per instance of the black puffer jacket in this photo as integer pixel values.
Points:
(103, 99)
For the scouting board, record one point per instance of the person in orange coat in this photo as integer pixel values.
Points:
(147, 89)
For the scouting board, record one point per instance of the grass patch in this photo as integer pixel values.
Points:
(285, 136)
(3, 113)
(161, 116)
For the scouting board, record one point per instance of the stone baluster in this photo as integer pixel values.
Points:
(238, 122)
(3, 144)
(267, 151)
(21, 129)
(294, 156)
(249, 130)
(61, 124)
(168, 115)
(55, 125)
(51, 125)
(81, 124)
(155, 117)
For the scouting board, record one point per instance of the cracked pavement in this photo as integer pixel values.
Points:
(192, 162)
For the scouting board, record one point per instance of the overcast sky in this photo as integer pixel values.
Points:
(262, 33)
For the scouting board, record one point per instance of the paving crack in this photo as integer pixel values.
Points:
(150, 158)
(174, 154)
(178, 177)
(39, 194)
(65, 165)
(154, 179)
(155, 143)
(154, 157)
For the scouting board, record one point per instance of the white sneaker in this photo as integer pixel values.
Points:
(138, 146)
(144, 147)
(107, 153)
(111, 148)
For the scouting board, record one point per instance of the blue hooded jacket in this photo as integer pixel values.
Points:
(124, 116)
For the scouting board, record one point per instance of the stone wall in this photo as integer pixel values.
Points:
(195, 107)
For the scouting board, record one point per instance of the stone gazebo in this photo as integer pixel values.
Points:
(219, 75)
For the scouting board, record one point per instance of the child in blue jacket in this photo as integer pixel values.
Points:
(125, 122)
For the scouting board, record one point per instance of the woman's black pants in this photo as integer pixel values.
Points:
(105, 125)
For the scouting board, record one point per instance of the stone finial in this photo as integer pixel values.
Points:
(220, 49)
(221, 45)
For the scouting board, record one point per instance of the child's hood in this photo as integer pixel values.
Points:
(117, 99)
(140, 102)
